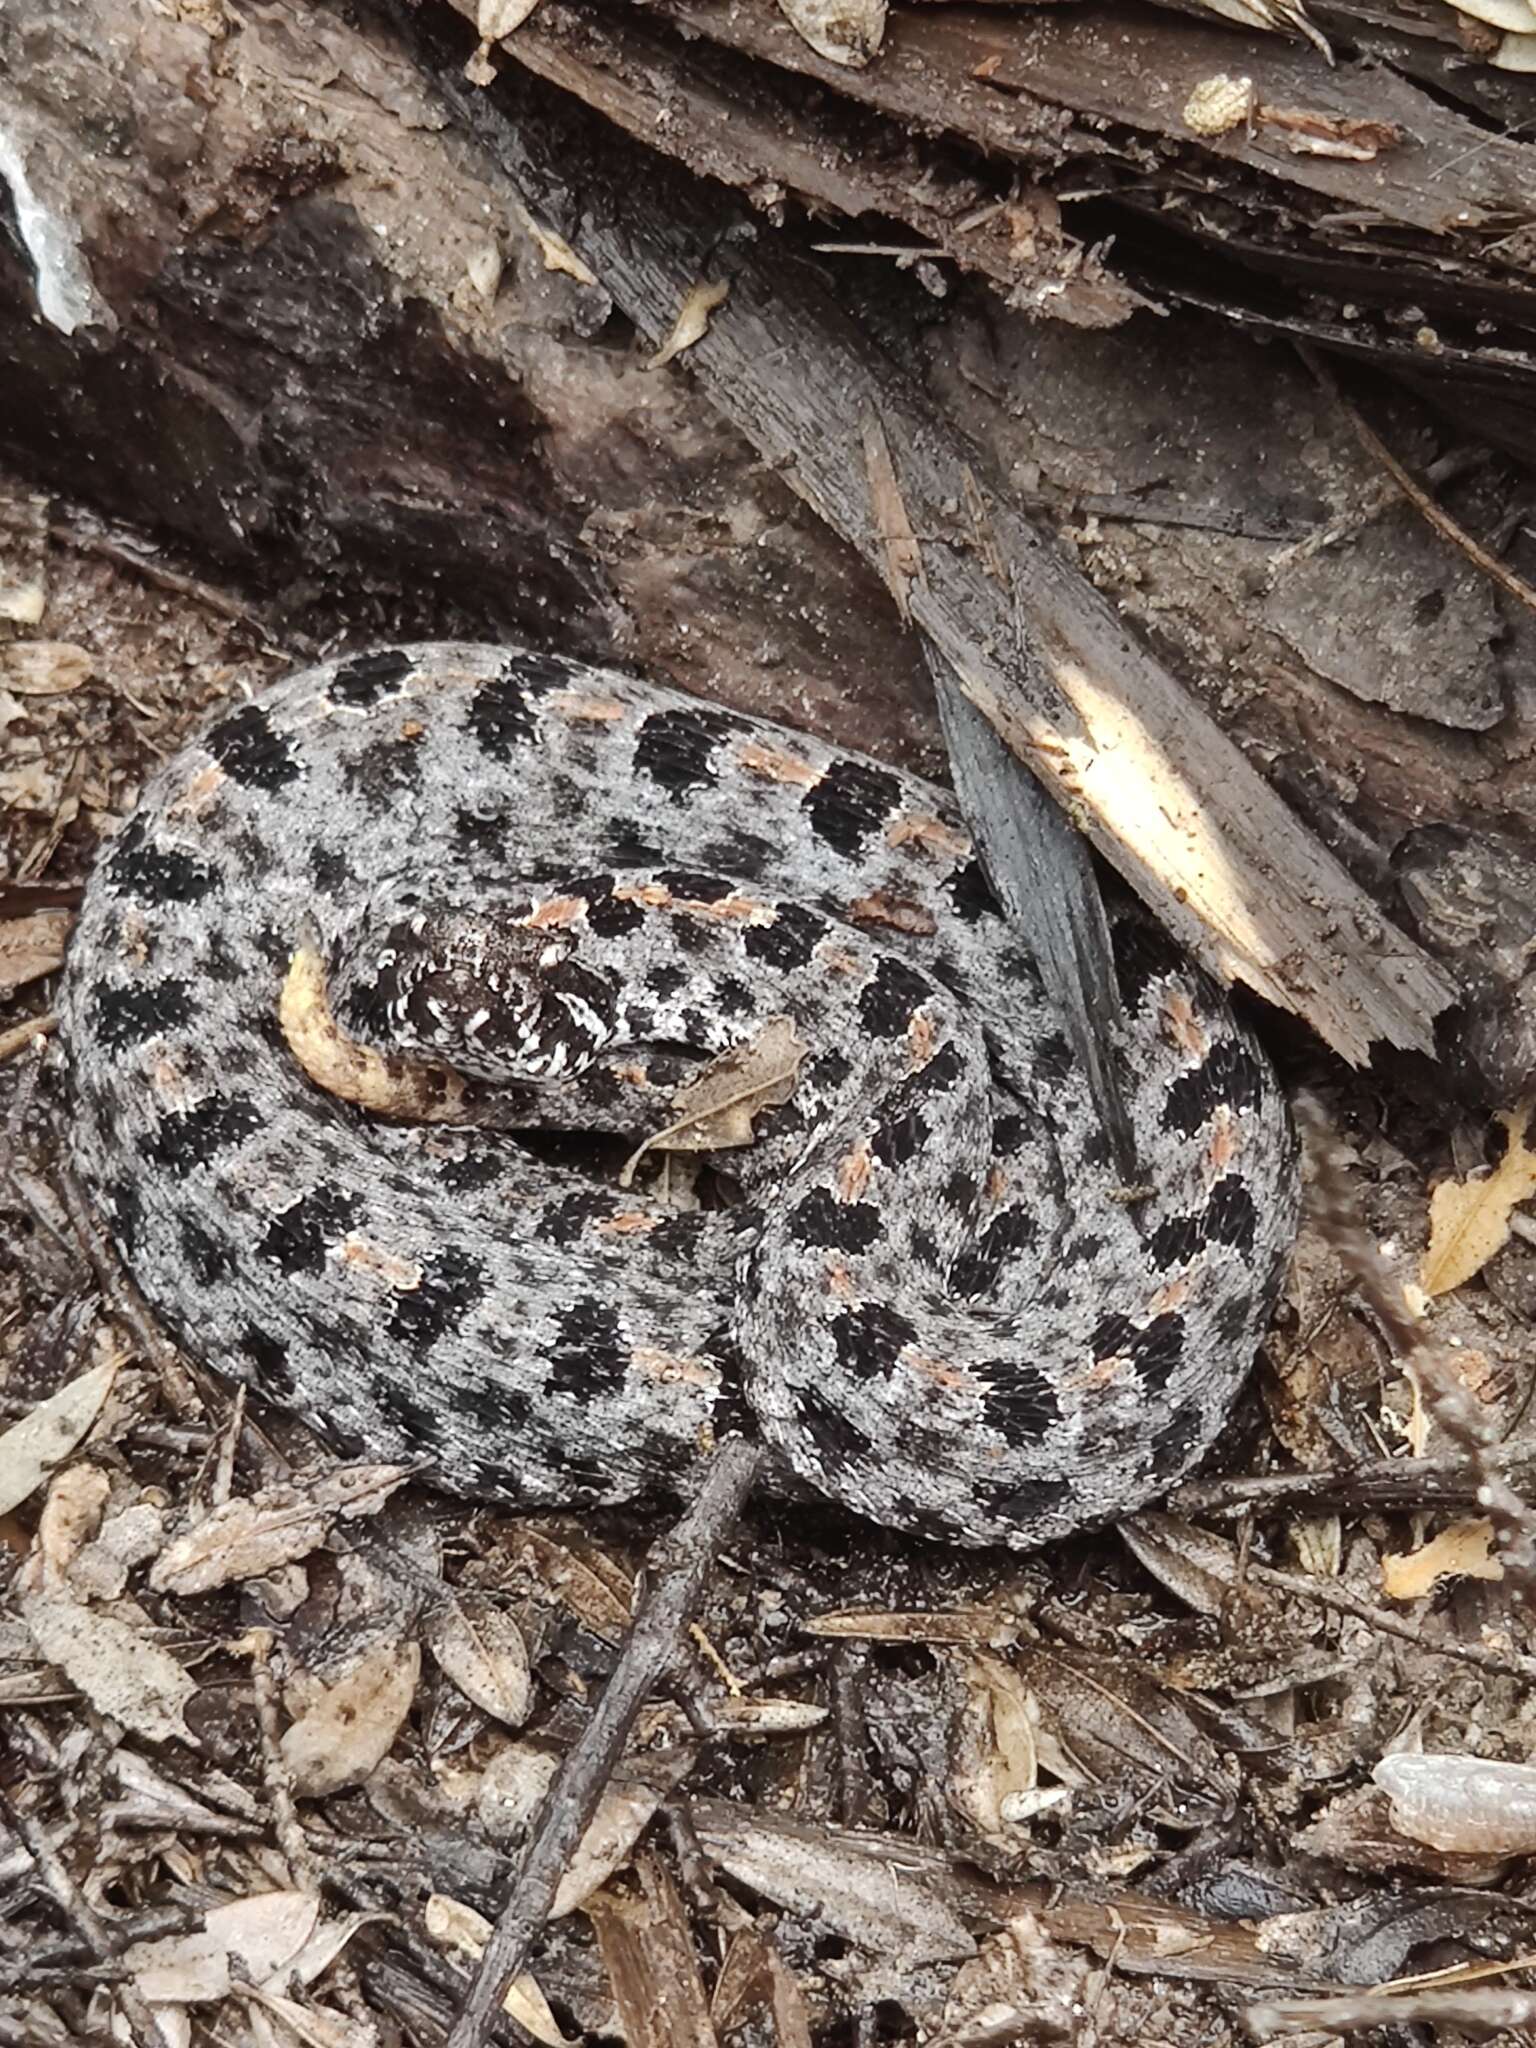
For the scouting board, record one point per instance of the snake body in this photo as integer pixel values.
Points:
(933, 1299)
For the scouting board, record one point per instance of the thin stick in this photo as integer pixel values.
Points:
(1428, 508)
(678, 1567)
(1523, 1668)
(1494, 2011)
(100, 1939)
(1436, 1481)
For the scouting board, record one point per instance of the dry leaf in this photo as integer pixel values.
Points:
(1463, 1551)
(692, 322)
(888, 515)
(885, 1893)
(716, 1108)
(347, 1728)
(310, 2025)
(992, 1744)
(120, 1671)
(514, 1784)
(461, 1927)
(32, 1448)
(31, 947)
(986, 1627)
(45, 668)
(846, 32)
(265, 1932)
(247, 1538)
(480, 1647)
(765, 1717)
(1469, 1219)
(593, 1590)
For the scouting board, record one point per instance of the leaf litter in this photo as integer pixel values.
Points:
(965, 1793)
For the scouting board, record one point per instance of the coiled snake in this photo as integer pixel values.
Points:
(933, 1298)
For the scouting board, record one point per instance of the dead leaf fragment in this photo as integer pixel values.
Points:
(1308, 133)
(263, 1933)
(715, 1110)
(44, 668)
(1463, 1551)
(846, 32)
(556, 250)
(249, 1537)
(117, 1667)
(1469, 1219)
(992, 1743)
(692, 322)
(514, 1784)
(22, 603)
(344, 1730)
(459, 1926)
(480, 1647)
(33, 1448)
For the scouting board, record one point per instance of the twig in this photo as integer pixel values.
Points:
(1428, 508)
(1497, 2011)
(677, 1570)
(1304, 1588)
(291, 1839)
(1451, 1479)
(846, 1676)
(176, 581)
(100, 1939)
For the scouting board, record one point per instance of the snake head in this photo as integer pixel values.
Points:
(481, 989)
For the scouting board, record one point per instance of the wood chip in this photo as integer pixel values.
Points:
(31, 947)
(692, 322)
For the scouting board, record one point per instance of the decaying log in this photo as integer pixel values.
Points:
(340, 360)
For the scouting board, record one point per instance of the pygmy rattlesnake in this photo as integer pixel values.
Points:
(933, 1298)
